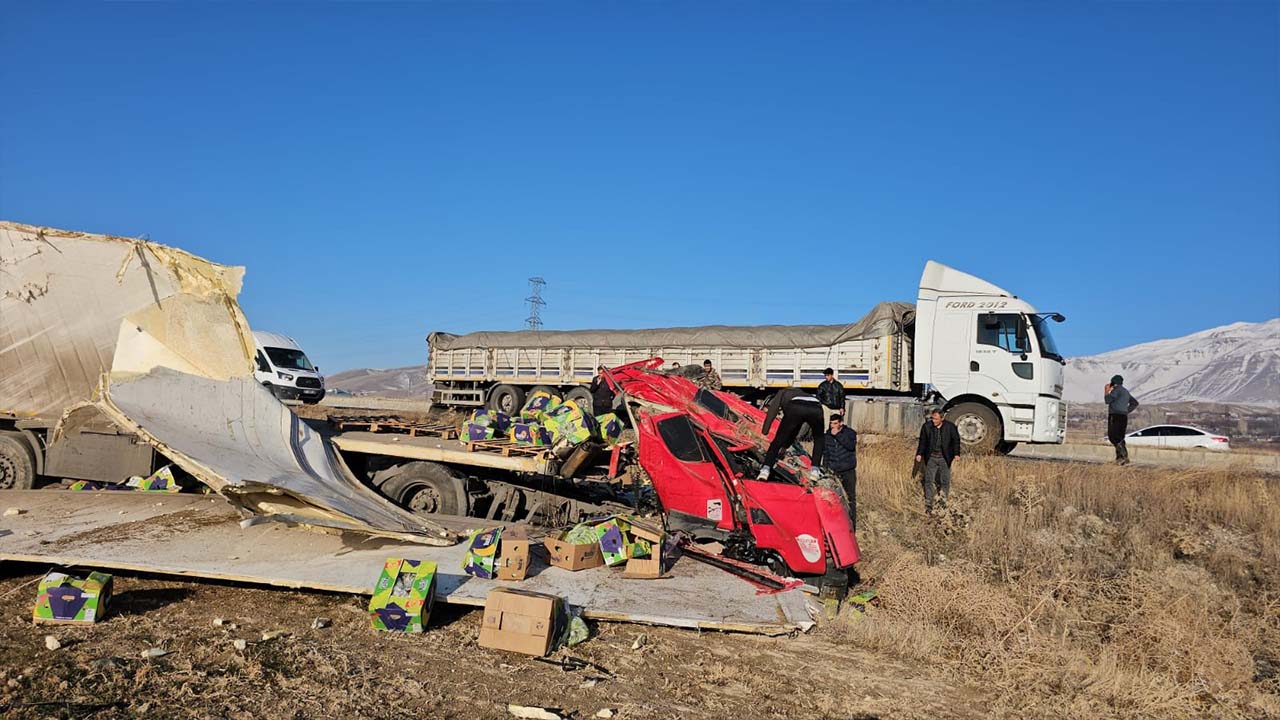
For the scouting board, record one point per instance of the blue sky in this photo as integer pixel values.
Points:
(384, 170)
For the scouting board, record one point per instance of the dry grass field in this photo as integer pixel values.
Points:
(1074, 590)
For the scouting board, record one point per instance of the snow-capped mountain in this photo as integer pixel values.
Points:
(1236, 363)
(403, 382)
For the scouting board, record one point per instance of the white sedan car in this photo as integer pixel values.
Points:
(1177, 436)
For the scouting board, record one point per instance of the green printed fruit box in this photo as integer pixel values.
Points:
(403, 596)
(63, 598)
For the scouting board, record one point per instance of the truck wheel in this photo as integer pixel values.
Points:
(17, 464)
(547, 389)
(978, 425)
(506, 399)
(582, 397)
(424, 487)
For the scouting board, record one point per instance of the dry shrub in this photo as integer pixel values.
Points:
(1079, 590)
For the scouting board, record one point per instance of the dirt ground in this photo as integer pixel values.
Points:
(347, 669)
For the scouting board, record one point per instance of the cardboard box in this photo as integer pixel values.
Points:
(513, 553)
(403, 595)
(519, 621)
(529, 433)
(161, 480)
(572, 556)
(613, 541)
(63, 598)
(650, 566)
(481, 557)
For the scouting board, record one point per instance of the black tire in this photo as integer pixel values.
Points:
(582, 397)
(547, 389)
(17, 462)
(978, 425)
(424, 487)
(1004, 447)
(506, 398)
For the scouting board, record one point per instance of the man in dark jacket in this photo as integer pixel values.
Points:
(842, 459)
(601, 393)
(831, 394)
(798, 408)
(938, 447)
(1119, 404)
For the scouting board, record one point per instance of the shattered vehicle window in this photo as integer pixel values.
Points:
(737, 461)
(708, 400)
(681, 439)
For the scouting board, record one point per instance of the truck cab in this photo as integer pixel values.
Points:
(285, 369)
(990, 359)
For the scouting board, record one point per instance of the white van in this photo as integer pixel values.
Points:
(285, 369)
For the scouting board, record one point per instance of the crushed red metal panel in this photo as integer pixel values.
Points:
(701, 448)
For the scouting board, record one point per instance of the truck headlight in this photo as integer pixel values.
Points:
(284, 375)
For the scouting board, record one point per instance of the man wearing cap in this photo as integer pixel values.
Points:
(1119, 404)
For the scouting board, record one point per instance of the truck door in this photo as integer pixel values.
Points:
(952, 334)
(1003, 359)
(684, 474)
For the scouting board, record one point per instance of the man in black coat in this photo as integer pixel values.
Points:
(798, 408)
(831, 393)
(938, 447)
(842, 459)
(601, 393)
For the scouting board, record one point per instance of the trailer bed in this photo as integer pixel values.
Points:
(200, 536)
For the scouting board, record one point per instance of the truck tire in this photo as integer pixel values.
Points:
(582, 397)
(424, 487)
(547, 389)
(1004, 447)
(17, 462)
(978, 425)
(506, 399)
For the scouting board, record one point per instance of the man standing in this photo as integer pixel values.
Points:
(1119, 404)
(842, 459)
(601, 394)
(938, 447)
(831, 394)
(709, 379)
(798, 408)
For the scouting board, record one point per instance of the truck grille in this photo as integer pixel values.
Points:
(1062, 415)
(308, 382)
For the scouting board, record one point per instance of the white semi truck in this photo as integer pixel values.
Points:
(971, 347)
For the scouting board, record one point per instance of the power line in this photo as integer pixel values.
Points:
(536, 303)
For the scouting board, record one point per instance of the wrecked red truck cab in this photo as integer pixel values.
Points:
(702, 449)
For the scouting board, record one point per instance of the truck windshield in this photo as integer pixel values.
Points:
(1048, 347)
(287, 359)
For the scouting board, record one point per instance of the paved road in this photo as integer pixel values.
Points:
(1167, 457)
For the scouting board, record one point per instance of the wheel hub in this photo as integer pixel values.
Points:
(8, 472)
(972, 429)
(426, 500)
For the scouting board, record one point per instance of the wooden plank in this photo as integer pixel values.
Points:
(200, 536)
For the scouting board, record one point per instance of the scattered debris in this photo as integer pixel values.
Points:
(51, 642)
(272, 635)
(533, 713)
(11, 512)
(222, 622)
(640, 641)
(604, 713)
(239, 644)
(152, 653)
(320, 623)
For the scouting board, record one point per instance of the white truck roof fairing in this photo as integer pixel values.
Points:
(940, 280)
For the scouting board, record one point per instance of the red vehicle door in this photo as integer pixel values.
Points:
(684, 473)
